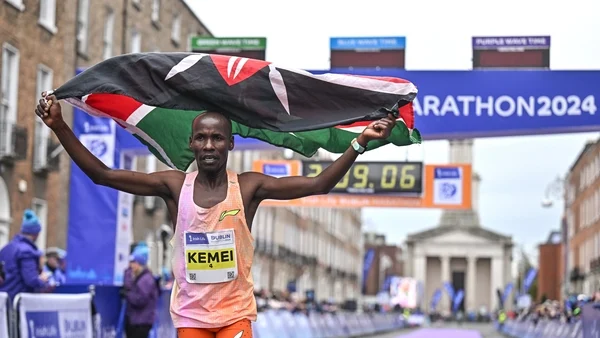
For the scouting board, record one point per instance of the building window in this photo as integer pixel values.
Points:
(18, 4)
(176, 28)
(109, 27)
(136, 42)
(48, 15)
(83, 26)
(40, 207)
(42, 133)
(9, 96)
(570, 224)
(155, 11)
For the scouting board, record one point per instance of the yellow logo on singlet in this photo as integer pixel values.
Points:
(228, 213)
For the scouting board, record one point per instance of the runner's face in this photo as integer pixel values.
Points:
(211, 141)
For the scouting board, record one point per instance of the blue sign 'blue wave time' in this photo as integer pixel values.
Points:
(385, 43)
(460, 104)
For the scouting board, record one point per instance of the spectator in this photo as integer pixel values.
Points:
(53, 266)
(141, 294)
(21, 259)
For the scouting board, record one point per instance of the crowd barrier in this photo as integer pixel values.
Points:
(543, 329)
(284, 324)
(4, 315)
(586, 326)
(50, 315)
(98, 312)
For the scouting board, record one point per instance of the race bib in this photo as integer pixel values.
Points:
(210, 257)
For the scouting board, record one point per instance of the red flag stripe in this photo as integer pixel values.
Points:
(116, 105)
(406, 114)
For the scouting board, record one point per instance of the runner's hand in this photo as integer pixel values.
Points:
(379, 130)
(49, 111)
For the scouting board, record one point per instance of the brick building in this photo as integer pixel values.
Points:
(387, 261)
(36, 39)
(43, 43)
(582, 210)
(550, 267)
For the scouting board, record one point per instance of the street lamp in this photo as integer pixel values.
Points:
(554, 190)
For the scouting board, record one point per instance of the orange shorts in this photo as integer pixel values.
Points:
(241, 329)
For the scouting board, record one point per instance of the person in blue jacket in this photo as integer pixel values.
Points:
(141, 292)
(21, 259)
(53, 266)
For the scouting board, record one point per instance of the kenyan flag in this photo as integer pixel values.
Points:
(156, 96)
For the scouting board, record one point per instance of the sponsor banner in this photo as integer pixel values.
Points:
(368, 260)
(529, 278)
(475, 104)
(4, 306)
(124, 224)
(435, 299)
(368, 43)
(449, 289)
(507, 290)
(458, 299)
(98, 235)
(495, 42)
(55, 315)
(91, 232)
(445, 187)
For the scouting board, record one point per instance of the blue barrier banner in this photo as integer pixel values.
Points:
(55, 315)
(491, 103)
(98, 235)
(91, 229)
(107, 302)
(163, 326)
(380, 43)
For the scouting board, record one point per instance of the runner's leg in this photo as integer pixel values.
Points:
(241, 329)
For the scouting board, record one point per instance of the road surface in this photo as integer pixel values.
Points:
(448, 330)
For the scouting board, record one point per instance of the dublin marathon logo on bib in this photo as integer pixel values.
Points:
(210, 257)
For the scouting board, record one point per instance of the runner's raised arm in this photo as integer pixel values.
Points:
(285, 188)
(137, 183)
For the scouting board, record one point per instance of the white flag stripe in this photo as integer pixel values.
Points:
(184, 65)
(139, 114)
(131, 128)
(230, 65)
(279, 87)
(360, 82)
(239, 67)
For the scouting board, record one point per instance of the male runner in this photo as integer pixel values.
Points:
(212, 209)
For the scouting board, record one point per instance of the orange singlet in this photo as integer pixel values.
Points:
(213, 292)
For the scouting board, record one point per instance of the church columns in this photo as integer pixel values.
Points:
(470, 285)
(420, 268)
(496, 268)
(445, 305)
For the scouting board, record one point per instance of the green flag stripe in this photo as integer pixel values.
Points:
(165, 127)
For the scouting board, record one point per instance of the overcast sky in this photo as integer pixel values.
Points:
(515, 171)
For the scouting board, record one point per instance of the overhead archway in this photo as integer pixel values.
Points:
(4, 213)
